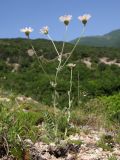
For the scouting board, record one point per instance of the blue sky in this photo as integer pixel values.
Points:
(16, 14)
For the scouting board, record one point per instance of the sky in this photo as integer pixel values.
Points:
(17, 14)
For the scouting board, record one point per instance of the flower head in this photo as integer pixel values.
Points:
(44, 30)
(84, 18)
(27, 31)
(71, 65)
(66, 19)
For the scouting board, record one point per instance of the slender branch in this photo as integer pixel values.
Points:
(60, 56)
(53, 44)
(69, 101)
(55, 83)
(78, 40)
(56, 76)
(58, 70)
(55, 92)
(40, 63)
(74, 47)
(64, 40)
(70, 89)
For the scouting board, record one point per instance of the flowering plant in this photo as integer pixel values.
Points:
(66, 19)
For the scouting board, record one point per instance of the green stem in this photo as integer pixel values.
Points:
(53, 44)
(63, 46)
(40, 63)
(69, 101)
(74, 47)
(56, 76)
(60, 57)
(55, 83)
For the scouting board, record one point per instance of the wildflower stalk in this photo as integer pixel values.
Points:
(66, 28)
(55, 92)
(55, 85)
(74, 47)
(58, 69)
(69, 100)
(78, 40)
(53, 44)
(40, 63)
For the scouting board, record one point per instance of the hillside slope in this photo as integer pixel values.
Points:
(111, 39)
(21, 73)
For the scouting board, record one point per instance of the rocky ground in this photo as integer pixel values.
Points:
(86, 145)
(87, 150)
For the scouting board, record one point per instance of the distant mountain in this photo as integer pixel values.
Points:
(111, 39)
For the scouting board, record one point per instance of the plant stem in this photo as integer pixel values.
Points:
(69, 101)
(39, 61)
(74, 47)
(55, 92)
(60, 57)
(58, 69)
(64, 40)
(78, 40)
(55, 84)
(53, 44)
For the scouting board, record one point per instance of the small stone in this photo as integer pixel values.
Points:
(28, 141)
(116, 152)
(70, 157)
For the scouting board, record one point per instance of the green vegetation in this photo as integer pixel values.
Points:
(30, 80)
(106, 142)
(98, 102)
(22, 120)
(112, 158)
(15, 126)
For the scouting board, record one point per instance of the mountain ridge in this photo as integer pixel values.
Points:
(111, 39)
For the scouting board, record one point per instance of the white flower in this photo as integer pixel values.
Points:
(44, 30)
(71, 65)
(66, 19)
(27, 31)
(84, 18)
